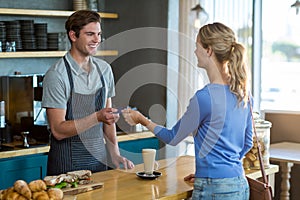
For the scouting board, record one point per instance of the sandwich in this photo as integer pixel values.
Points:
(70, 179)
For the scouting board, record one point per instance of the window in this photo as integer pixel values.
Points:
(237, 15)
(280, 64)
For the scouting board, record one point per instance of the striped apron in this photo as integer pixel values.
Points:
(86, 150)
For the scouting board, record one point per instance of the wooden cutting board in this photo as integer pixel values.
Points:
(82, 188)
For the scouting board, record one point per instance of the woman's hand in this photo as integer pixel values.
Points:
(190, 178)
(133, 117)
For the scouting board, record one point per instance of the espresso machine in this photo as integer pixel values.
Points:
(22, 95)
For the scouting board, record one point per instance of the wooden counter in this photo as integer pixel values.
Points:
(23, 152)
(124, 184)
(134, 136)
(44, 149)
(287, 153)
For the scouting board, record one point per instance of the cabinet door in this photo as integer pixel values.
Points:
(133, 149)
(27, 168)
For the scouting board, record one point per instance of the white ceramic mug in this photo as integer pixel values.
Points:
(149, 160)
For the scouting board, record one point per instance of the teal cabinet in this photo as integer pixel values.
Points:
(28, 168)
(133, 149)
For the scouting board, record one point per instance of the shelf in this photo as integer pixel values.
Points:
(48, 13)
(49, 54)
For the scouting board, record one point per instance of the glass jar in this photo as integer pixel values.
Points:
(251, 159)
(92, 5)
(11, 46)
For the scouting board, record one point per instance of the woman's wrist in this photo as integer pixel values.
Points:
(144, 121)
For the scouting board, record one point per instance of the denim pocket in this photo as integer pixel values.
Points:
(239, 195)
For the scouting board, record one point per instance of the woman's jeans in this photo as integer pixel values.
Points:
(221, 189)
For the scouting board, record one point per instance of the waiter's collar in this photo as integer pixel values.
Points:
(75, 67)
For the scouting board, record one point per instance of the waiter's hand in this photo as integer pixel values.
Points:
(108, 115)
(190, 178)
(117, 160)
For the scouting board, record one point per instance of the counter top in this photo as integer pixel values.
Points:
(124, 184)
(134, 136)
(23, 152)
(45, 149)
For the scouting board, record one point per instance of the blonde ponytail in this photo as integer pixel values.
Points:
(223, 42)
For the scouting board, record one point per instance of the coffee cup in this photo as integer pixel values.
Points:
(149, 161)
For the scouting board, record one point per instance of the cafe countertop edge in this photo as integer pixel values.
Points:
(124, 184)
(122, 137)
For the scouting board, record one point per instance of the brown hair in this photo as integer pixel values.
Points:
(79, 19)
(223, 42)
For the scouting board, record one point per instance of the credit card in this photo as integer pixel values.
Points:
(122, 108)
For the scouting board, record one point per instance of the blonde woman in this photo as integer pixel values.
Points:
(218, 116)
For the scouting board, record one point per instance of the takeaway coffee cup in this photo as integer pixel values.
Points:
(149, 161)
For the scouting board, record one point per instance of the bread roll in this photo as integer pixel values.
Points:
(55, 194)
(22, 188)
(37, 185)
